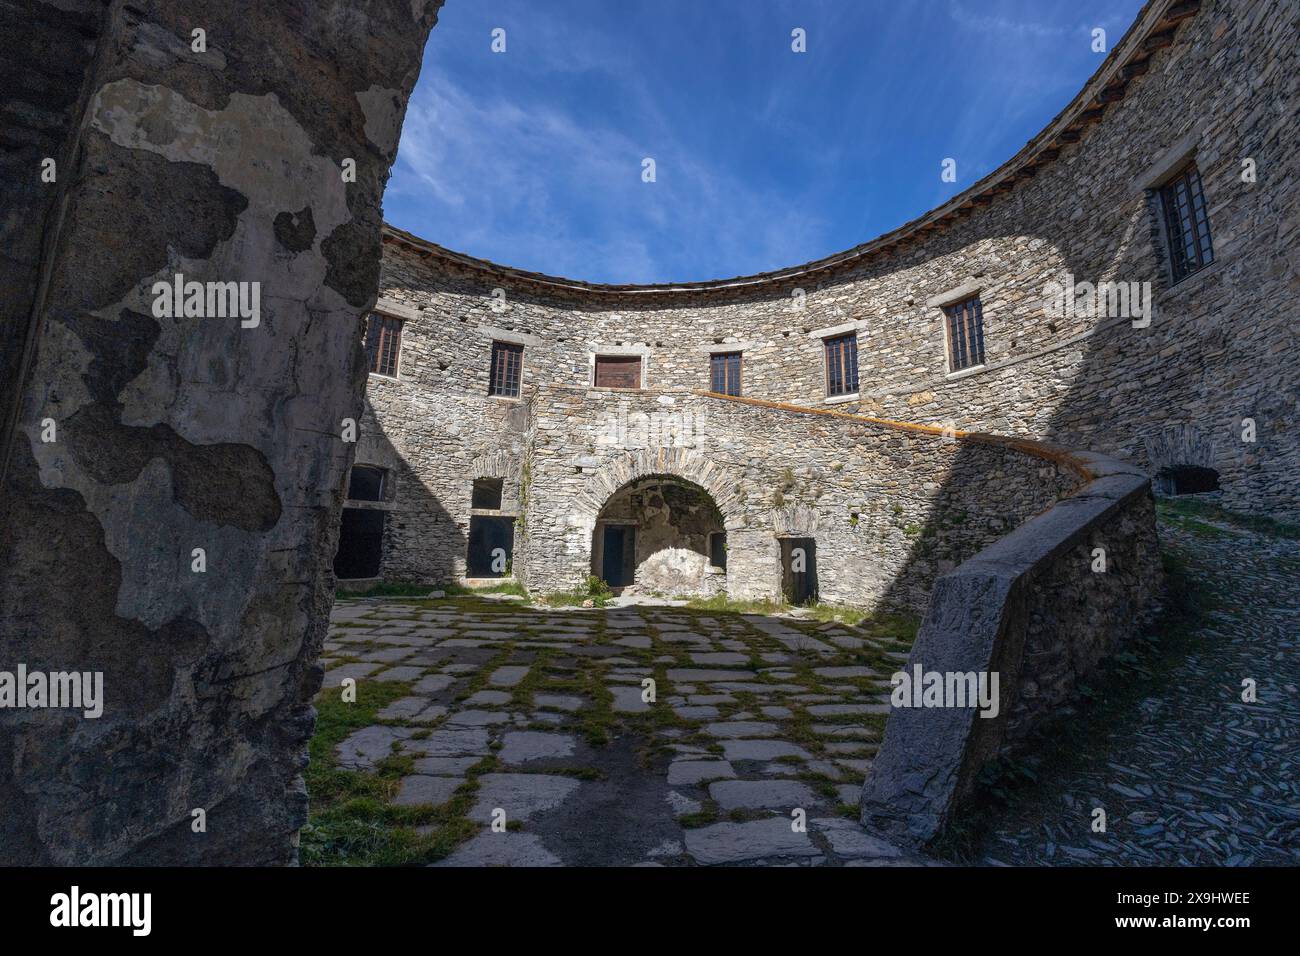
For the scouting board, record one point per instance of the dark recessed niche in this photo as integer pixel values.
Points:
(1187, 480)
(487, 494)
(366, 483)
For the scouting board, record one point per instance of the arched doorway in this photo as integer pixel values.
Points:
(660, 535)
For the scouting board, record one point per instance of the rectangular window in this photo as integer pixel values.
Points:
(507, 369)
(965, 334)
(618, 371)
(842, 364)
(487, 494)
(1187, 225)
(724, 373)
(383, 344)
(366, 483)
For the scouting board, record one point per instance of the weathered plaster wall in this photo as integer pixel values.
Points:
(180, 433)
(673, 521)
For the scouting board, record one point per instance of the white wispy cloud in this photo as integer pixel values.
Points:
(538, 187)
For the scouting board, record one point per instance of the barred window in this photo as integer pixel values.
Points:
(1186, 224)
(507, 369)
(965, 334)
(383, 344)
(841, 364)
(724, 373)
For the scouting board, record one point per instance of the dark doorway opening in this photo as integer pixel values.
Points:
(718, 550)
(491, 546)
(617, 565)
(799, 570)
(361, 544)
(1187, 480)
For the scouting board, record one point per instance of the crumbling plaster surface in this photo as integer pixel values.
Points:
(182, 433)
(673, 521)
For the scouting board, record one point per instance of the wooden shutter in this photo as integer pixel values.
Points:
(618, 371)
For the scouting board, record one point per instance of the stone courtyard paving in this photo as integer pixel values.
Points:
(1186, 771)
(471, 707)
(475, 709)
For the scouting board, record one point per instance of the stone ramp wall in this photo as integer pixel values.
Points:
(1032, 608)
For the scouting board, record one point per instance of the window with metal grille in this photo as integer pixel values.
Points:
(965, 334)
(507, 369)
(1187, 225)
(383, 344)
(724, 373)
(841, 364)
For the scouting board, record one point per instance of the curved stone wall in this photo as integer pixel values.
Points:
(1210, 81)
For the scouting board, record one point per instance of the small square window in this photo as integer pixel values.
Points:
(1187, 225)
(841, 364)
(724, 373)
(366, 483)
(383, 344)
(965, 334)
(487, 494)
(507, 369)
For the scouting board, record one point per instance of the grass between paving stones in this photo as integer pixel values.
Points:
(596, 719)
(395, 589)
(720, 603)
(838, 613)
(351, 822)
(1175, 511)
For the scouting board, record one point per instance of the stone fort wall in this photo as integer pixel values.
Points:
(889, 507)
(1216, 85)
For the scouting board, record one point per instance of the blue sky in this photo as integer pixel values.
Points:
(764, 157)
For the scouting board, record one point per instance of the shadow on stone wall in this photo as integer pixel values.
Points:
(422, 541)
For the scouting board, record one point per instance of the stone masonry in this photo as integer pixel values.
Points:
(1212, 381)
